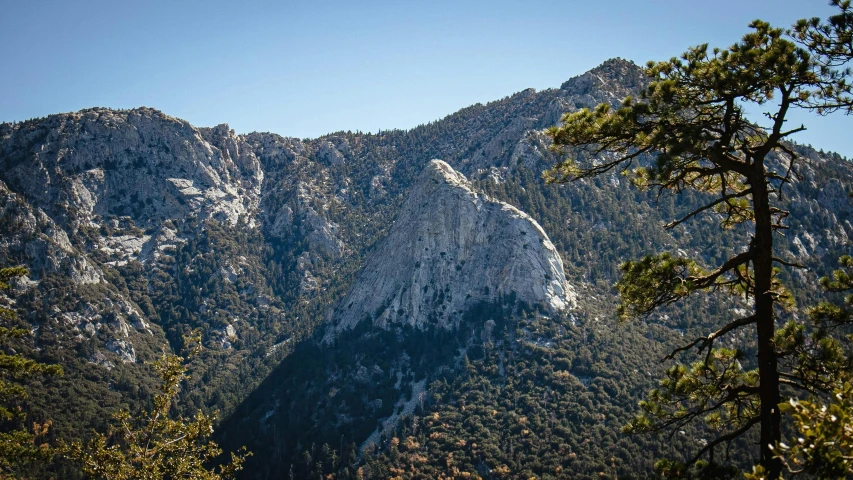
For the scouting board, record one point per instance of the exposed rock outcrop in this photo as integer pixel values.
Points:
(139, 163)
(29, 234)
(611, 81)
(450, 249)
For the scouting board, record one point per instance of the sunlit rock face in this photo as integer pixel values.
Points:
(137, 163)
(449, 249)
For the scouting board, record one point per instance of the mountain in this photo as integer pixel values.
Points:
(449, 249)
(138, 227)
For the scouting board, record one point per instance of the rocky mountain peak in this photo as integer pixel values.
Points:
(440, 172)
(450, 249)
(616, 78)
(139, 163)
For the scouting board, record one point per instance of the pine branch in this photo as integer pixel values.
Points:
(725, 438)
(706, 207)
(706, 341)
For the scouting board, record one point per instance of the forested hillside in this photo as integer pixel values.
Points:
(138, 227)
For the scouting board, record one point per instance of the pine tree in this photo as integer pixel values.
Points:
(831, 45)
(823, 444)
(688, 131)
(153, 445)
(19, 446)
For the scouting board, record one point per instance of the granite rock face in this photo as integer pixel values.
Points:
(139, 163)
(88, 192)
(450, 249)
(30, 234)
(611, 81)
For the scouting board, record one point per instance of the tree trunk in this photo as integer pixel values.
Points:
(768, 372)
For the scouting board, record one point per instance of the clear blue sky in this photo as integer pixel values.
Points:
(311, 67)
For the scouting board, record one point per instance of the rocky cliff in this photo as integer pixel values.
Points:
(449, 249)
(138, 163)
